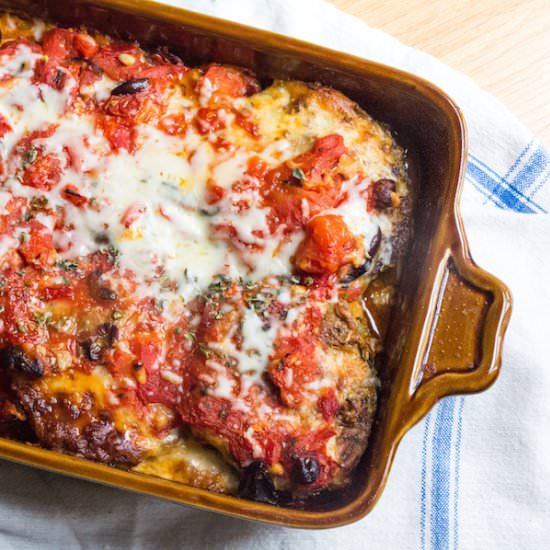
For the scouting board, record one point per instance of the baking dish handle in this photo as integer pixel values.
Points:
(463, 340)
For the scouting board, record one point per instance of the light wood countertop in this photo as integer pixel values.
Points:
(504, 45)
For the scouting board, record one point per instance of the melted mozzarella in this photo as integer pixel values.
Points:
(150, 204)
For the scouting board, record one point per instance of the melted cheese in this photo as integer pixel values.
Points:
(150, 205)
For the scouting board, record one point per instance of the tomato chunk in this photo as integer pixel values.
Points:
(36, 243)
(132, 214)
(209, 120)
(306, 185)
(57, 46)
(213, 192)
(219, 83)
(328, 405)
(109, 59)
(328, 245)
(4, 126)
(72, 194)
(62, 292)
(119, 134)
(43, 173)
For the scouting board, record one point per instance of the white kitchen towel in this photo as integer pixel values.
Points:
(475, 473)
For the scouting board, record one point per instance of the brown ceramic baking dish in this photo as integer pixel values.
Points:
(447, 326)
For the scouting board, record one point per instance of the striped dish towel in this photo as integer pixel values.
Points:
(475, 473)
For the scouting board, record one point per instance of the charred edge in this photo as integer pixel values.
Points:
(257, 485)
(16, 360)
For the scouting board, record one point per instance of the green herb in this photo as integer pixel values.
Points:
(216, 290)
(1, 309)
(308, 281)
(116, 315)
(20, 272)
(67, 265)
(205, 350)
(21, 329)
(190, 336)
(40, 318)
(65, 280)
(30, 155)
(248, 285)
(39, 202)
(165, 282)
(2, 282)
(298, 173)
(295, 280)
(178, 330)
(114, 255)
(23, 237)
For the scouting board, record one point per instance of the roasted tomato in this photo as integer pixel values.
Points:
(209, 120)
(218, 84)
(306, 185)
(36, 243)
(39, 170)
(327, 246)
(59, 50)
(72, 194)
(119, 134)
(43, 173)
(213, 192)
(294, 366)
(4, 126)
(119, 61)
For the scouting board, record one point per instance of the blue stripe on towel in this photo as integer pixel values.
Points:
(533, 169)
(500, 192)
(441, 471)
(512, 195)
(518, 161)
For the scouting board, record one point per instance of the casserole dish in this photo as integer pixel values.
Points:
(450, 316)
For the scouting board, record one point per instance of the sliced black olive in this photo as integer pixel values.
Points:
(15, 359)
(93, 350)
(132, 86)
(383, 189)
(99, 290)
(59, 78)
(108, 332)
(257, 485)
(352, 273)
(305, 470)
(105, 293)
(375, 243)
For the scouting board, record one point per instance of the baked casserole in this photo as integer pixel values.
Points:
(197, 268)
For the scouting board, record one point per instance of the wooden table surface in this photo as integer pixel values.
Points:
(504, 45)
